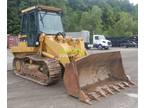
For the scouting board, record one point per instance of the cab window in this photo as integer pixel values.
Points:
(96, 38)
(24, 23)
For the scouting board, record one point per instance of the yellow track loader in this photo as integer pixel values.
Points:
(45, 55)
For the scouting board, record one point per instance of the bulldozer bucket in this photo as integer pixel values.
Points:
(96, 76)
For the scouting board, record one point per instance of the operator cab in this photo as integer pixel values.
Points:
(40, 19)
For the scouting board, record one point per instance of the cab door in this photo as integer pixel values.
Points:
(29, 28)
(95, 39)
(32, 29)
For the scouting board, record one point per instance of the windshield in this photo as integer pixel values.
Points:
(50, 23)
(102, 37)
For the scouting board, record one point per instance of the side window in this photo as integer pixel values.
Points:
(24, 24)
(32, 30)
(32, 26)
(96, 38)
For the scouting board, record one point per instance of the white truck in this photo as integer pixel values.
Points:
(85, 34)
(100, 42)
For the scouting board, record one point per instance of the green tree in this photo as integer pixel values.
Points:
(124, 26)
(13, 22)
(108, 17)
(91, 20)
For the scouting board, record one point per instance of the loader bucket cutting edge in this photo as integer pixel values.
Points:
(96, 76)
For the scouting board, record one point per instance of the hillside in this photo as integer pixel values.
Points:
(108, 17)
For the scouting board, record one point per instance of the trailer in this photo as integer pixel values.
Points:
(82, 34)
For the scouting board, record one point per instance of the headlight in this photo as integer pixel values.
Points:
(37, 43)
(103, 41)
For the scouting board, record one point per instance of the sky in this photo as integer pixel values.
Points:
(134, 1)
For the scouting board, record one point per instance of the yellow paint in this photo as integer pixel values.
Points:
(57, 48)
(47, 55)
(18, 66)
(22, 36)
(23, 48)
(65, 50)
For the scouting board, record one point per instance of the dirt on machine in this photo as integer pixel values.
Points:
(45, 55)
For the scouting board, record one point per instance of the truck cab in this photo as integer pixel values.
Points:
(100, 42)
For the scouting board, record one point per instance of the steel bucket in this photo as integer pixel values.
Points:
(96, 76)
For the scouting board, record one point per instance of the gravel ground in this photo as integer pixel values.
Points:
(26, 94)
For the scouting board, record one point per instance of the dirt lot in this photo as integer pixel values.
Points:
(26, 94)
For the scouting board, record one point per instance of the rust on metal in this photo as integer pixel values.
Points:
(106, 88)
(83, 97)
(126, 84)
(42, 7)
(94, 96)
(121, 85)
(96, 75)
(115, 88)
(41, 70)
(93, 77)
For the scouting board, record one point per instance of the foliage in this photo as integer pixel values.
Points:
(108, 17)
